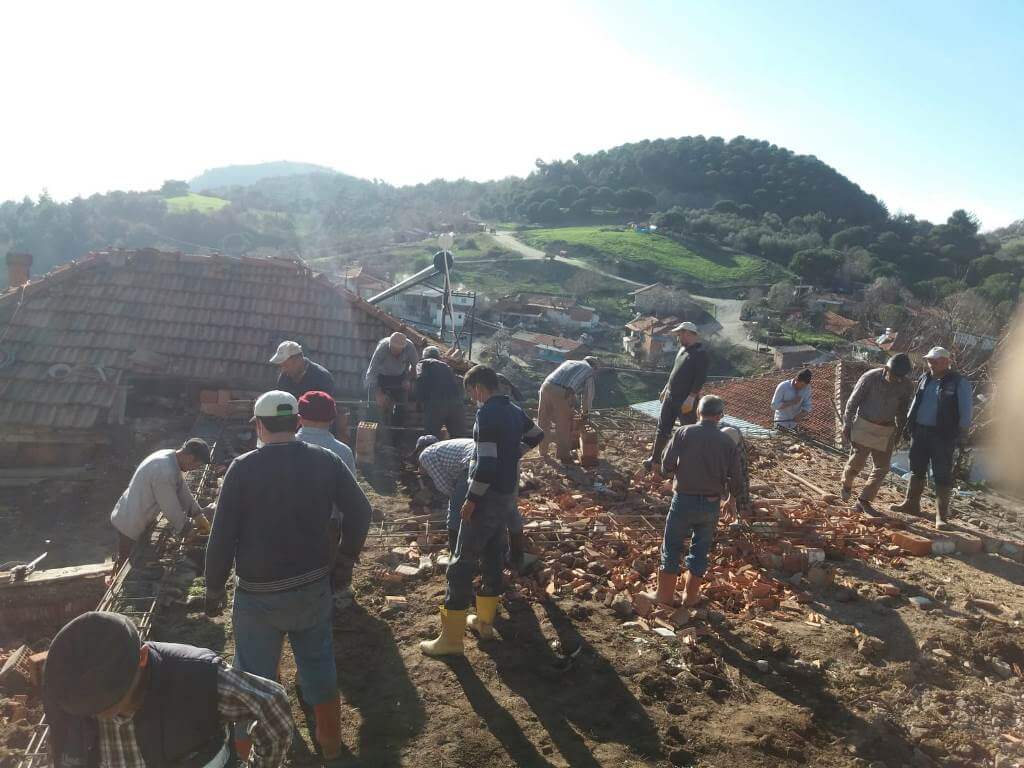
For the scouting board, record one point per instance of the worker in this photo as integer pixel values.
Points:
(390, 374)
(792, 400)
(705, 462)
(499, 432)
(874, 417)
(939, 420)
(273, 523)
(440, 395)
(112, 700)
(317, 414)
(740, 503)
(446, 463)
(558, 394)
(299, 374)
(158, 486)
(681, 393)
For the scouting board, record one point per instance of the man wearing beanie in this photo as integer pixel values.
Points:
(112, 700)
(317, 413)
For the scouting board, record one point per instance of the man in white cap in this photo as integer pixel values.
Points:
(299, 374)
(939, 419)
(273, 523)
(390, 374)
(558, 393)
(682, 392)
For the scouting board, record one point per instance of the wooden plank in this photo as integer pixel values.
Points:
(56, 575)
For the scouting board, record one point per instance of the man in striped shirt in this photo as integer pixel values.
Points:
(447, 463)
(558, 393)
(500, 430)
(112, 700)
(273, 521)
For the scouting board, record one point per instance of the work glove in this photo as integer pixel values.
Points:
(215, 601)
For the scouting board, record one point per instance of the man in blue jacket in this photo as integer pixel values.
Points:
(500, 430)
(940, 418)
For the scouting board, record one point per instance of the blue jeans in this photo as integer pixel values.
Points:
(689, 516)
(481, 540)
(927, 446)
(261, 622)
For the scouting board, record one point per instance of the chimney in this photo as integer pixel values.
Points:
(19, 266)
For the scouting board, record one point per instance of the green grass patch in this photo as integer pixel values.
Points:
(798, 335)
(195, 202)
(503, 277)
(651, 258)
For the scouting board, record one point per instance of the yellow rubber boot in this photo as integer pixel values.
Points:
(483, 621)
(449, 642)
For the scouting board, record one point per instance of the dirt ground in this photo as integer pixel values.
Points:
(570, 683)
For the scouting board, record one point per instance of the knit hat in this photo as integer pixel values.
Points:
(317, 406)
(91, 663)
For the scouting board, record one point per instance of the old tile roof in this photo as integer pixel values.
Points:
(69, 340)
(839, 325)
(750, 399)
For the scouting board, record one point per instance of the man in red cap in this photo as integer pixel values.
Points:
(317, 413)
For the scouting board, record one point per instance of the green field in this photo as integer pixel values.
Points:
(195, 202)
(650, 258)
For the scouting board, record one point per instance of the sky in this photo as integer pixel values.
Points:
(917, 102)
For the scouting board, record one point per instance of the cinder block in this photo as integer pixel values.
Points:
(968, 543)
(915, 545)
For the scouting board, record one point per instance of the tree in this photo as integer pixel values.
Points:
(782, 295)
(579, 209)
(549, 211)
(817, 266)
(172, 188)
(568, 195)
(884, 290)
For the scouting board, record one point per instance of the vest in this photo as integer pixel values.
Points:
(178, 725)
(947, 417)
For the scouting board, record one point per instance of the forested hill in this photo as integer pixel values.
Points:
(690, 172)
(243, 175)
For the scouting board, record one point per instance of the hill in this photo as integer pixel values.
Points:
(195, 202)
(244, 175)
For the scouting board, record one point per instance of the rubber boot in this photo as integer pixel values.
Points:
(654, 460)
(943, 494)
(328, 728)
(449, 642)
(912, 503)
(242, 748)
(691, 590)
(666, 594)
(453, 539)
(483, 621)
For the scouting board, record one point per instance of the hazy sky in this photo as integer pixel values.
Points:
(918, 102)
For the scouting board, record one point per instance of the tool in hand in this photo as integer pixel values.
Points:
(21, 572)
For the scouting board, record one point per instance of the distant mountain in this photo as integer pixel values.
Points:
(244, 175)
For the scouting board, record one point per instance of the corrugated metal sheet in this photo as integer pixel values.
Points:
(212, 319)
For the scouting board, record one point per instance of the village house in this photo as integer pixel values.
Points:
(541, 346)
(838, 325)
(662, 300)
(793, 355)
(530, 309)
(83, 342)
(356, 279)
(650, 338)
(423, 305)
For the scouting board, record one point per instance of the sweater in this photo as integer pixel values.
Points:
(273, 515)
(500, 430)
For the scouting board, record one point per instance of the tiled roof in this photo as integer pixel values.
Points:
(211, 319)
(837, 324)
(750, 399)
(546, 340)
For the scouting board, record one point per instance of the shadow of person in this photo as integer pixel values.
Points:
(372, 679)
(578, 691)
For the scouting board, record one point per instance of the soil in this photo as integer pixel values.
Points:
(858, 678)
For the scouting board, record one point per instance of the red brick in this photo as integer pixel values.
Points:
(915, 545)
(208, 396)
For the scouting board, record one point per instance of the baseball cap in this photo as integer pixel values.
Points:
(91, 663)
(899, 364)
(285, 350)
(937, 353)
(317, 406)
(687, 326)
(275, 403)
(424, 442)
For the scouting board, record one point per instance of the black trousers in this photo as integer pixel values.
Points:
(444, 413)
(928, 447)
(670, 413)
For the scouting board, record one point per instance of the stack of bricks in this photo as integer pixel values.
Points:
(215, 402)
(590, 450)
(366, 442)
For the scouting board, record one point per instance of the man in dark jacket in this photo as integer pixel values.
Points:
(299, 374)
(112, 700)
(439, 395)
(940, 417)
(273, 521)
(500, 431)
(681, 393)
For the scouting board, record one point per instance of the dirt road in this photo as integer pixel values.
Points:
(728, 316)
